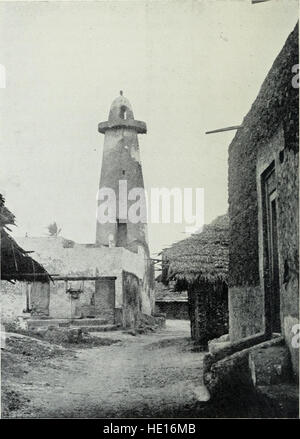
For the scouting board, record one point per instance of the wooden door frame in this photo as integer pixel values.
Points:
(268, 197)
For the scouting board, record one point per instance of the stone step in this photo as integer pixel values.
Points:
(283, 398)
(89, 322)
(99, 328)
(44, 323)
(270, 365)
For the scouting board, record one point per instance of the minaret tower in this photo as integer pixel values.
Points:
(121, 163)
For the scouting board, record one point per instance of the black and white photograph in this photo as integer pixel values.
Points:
(149, 212)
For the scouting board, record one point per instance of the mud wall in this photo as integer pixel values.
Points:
(104, 299)
(269, 133)
(21, 297)
(132, 305)
(288, 230)
(39, 299)
(60, 299)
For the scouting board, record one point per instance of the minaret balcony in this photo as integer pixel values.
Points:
(137, 125)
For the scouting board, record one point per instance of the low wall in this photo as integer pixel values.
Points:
(67, 258)
(227, 371)
(12, 300)
(173, 310)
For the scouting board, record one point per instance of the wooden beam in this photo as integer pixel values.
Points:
(74, 278)
(220, 130)
(33, 274)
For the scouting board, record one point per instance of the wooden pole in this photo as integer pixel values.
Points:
(220, 130)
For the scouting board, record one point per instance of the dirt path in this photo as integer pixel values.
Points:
(142, 376)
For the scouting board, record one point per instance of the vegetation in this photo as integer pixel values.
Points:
(53, 229)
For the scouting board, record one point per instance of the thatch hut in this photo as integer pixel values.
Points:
(199, 265)
(16, 264)
(174, 304)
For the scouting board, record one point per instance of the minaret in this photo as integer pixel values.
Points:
(121, 163)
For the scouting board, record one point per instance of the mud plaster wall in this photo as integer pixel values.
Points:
(60, 300)
(288, 229)
(276, 105)
(287, 184)
(131, 299)
(141, 265)
(39, 298)
(14, 299)
(105, 299)
(66, 258)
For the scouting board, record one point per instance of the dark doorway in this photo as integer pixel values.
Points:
(123, 112)
(121, 234)
(104, 299)
(271, 266)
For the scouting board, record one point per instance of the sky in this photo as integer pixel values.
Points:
(186, 66)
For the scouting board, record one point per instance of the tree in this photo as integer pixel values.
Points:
(53, 229)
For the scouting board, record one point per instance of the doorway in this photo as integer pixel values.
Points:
(271, 264)
(121, 234)
(104, 299)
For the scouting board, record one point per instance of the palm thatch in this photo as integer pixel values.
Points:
(15, 262)
(203, 257)
(6, 217)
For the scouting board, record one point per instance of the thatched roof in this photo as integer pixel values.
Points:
(203, 257)
(15, 262)
(6, 217)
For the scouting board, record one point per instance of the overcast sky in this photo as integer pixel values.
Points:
(186, 67)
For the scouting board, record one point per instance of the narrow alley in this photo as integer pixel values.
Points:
(143, 376)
